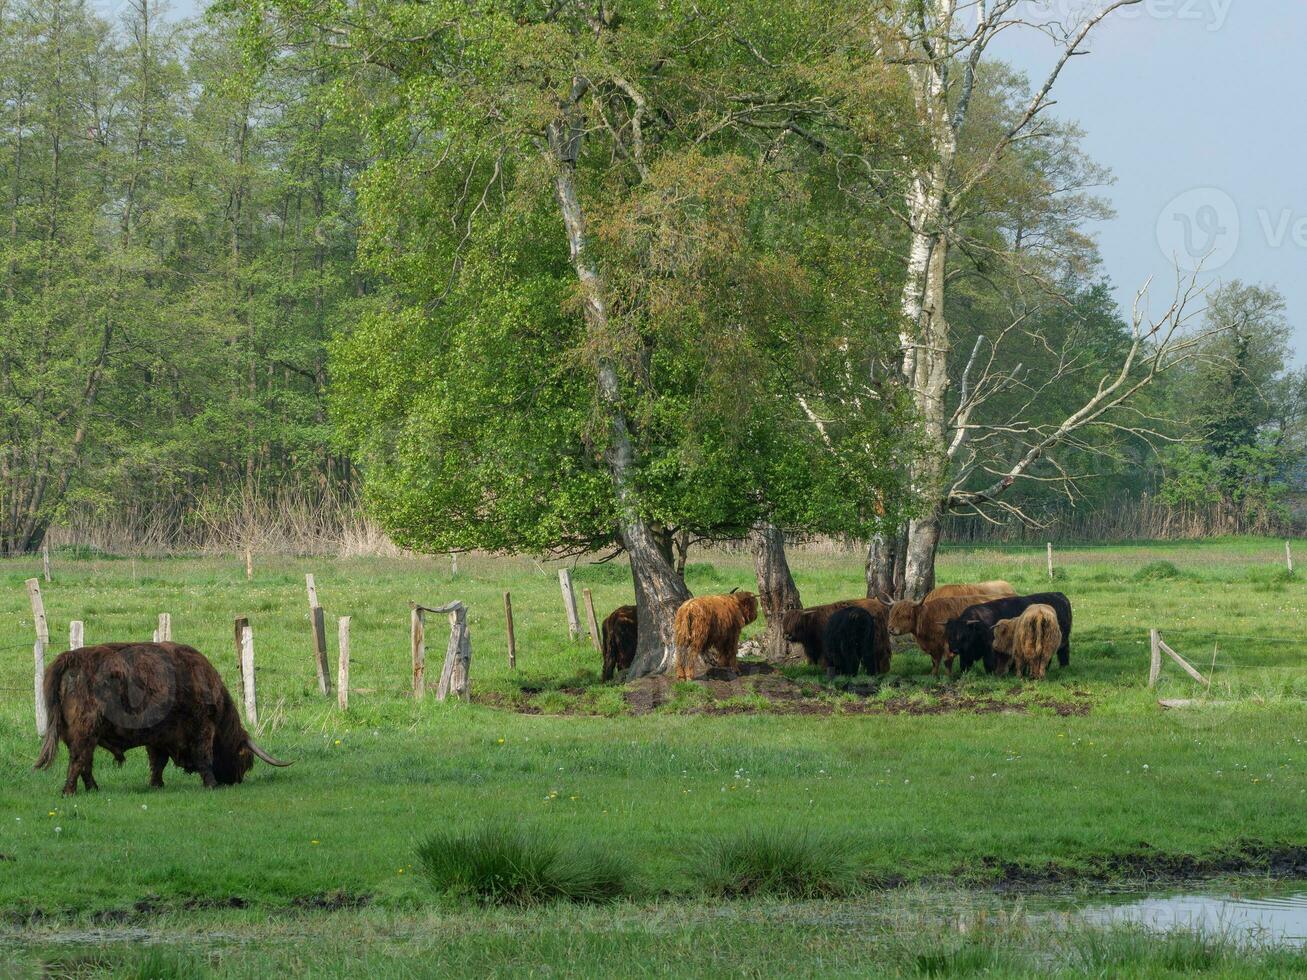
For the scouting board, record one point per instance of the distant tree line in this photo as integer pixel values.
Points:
(567, 277)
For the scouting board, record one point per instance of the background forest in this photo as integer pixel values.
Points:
(212, 258)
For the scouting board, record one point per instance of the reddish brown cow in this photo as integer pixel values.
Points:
(711, 622)
(619, 632)
(166, 697)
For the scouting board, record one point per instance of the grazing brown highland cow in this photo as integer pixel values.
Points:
(926, 620)
(1030, 639)
(619, 632)
(711, 622)
(807, 627)
(166, 697)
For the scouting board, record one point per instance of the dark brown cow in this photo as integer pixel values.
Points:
(619, 640)
(166, 697)
(807, 627)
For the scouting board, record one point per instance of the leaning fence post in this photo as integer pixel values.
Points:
(76, 635)
(417, 636)
(512, 640)
(458, 654)
(38, 651)
(569, 603)
(342, 665)
(1155, 667)
(317, 623)
(590, 619)
(45, 560)
(1050, 559)
(241, 623)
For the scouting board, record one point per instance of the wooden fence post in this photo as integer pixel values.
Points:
(453, 564)
(45, 560)
(38, 652)
(164, 634)
(1050, 559)
(1155, 665)
(247, 672)
(458, 654)
(569, 603)
(318, 625)
(590, 619)
(512, 640)
(417, 636)
(249, 565)
(1288, 557)
(76, 635)
(342, 665)
(241, 623)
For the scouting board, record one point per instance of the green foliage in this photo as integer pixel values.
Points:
(499, 865)
(1157, 571)
(775, 861)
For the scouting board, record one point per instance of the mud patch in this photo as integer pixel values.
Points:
(1144, 865)
(333, 901)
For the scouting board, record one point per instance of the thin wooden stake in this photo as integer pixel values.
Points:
(1050, 559)
(417, 635)
(342, 665)
(247, 675)
(38, 611)
(76, 635)
(569, 603)
(1155, 664)
(512, 640)
(241, 623)
(249, 565)
(590, 619)
(45, 560)
(1288, 558)
(312, 588)
(165, 628)
(317, 619)
(453, 564)
(1185, 665)
(38, 657)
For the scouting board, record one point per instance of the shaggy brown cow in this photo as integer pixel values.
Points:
(1030, 639)
(807, 627)
(926, 621)
(995, 588)
(166, 697)
(712, 622)
(619, 633)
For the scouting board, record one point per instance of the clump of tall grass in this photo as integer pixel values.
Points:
(1158, 571)
(792, 864)
(499, 865)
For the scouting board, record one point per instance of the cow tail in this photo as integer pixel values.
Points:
(54, 675)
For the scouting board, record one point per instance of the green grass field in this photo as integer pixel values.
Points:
(927, 785)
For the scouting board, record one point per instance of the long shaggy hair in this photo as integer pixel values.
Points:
(712, 622)
(926, 621)
(620, 633)
(807, 627)
(994, 588)
(1030, 639)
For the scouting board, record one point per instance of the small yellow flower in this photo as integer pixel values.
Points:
(501, 741)
(313, 842)
(337, 741)
(51, 813)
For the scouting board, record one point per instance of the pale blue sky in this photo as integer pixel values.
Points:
(1201, 98)
(1197, 107)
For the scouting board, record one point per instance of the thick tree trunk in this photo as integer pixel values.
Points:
(659, 591)
(777, 593)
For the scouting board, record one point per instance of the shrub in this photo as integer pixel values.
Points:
(505, 866)
(775, 862)
(1156, 571)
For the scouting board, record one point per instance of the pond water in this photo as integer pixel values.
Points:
(1279, 919)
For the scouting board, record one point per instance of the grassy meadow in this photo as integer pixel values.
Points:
(909, 788)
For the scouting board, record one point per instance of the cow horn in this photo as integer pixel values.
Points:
(270, 760)
(734, 590)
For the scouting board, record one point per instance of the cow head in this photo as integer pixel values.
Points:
(969, 640)
(903, 617)
(233, 756)
(792, 626)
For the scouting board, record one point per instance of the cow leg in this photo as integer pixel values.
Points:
(158, 759)
(80, 754)
(204, 754)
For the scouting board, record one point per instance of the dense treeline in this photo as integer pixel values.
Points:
(244, 254)
(178, 248)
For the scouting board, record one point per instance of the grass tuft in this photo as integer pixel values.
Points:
(776, 862)
(506, 866)
(1157, 571)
